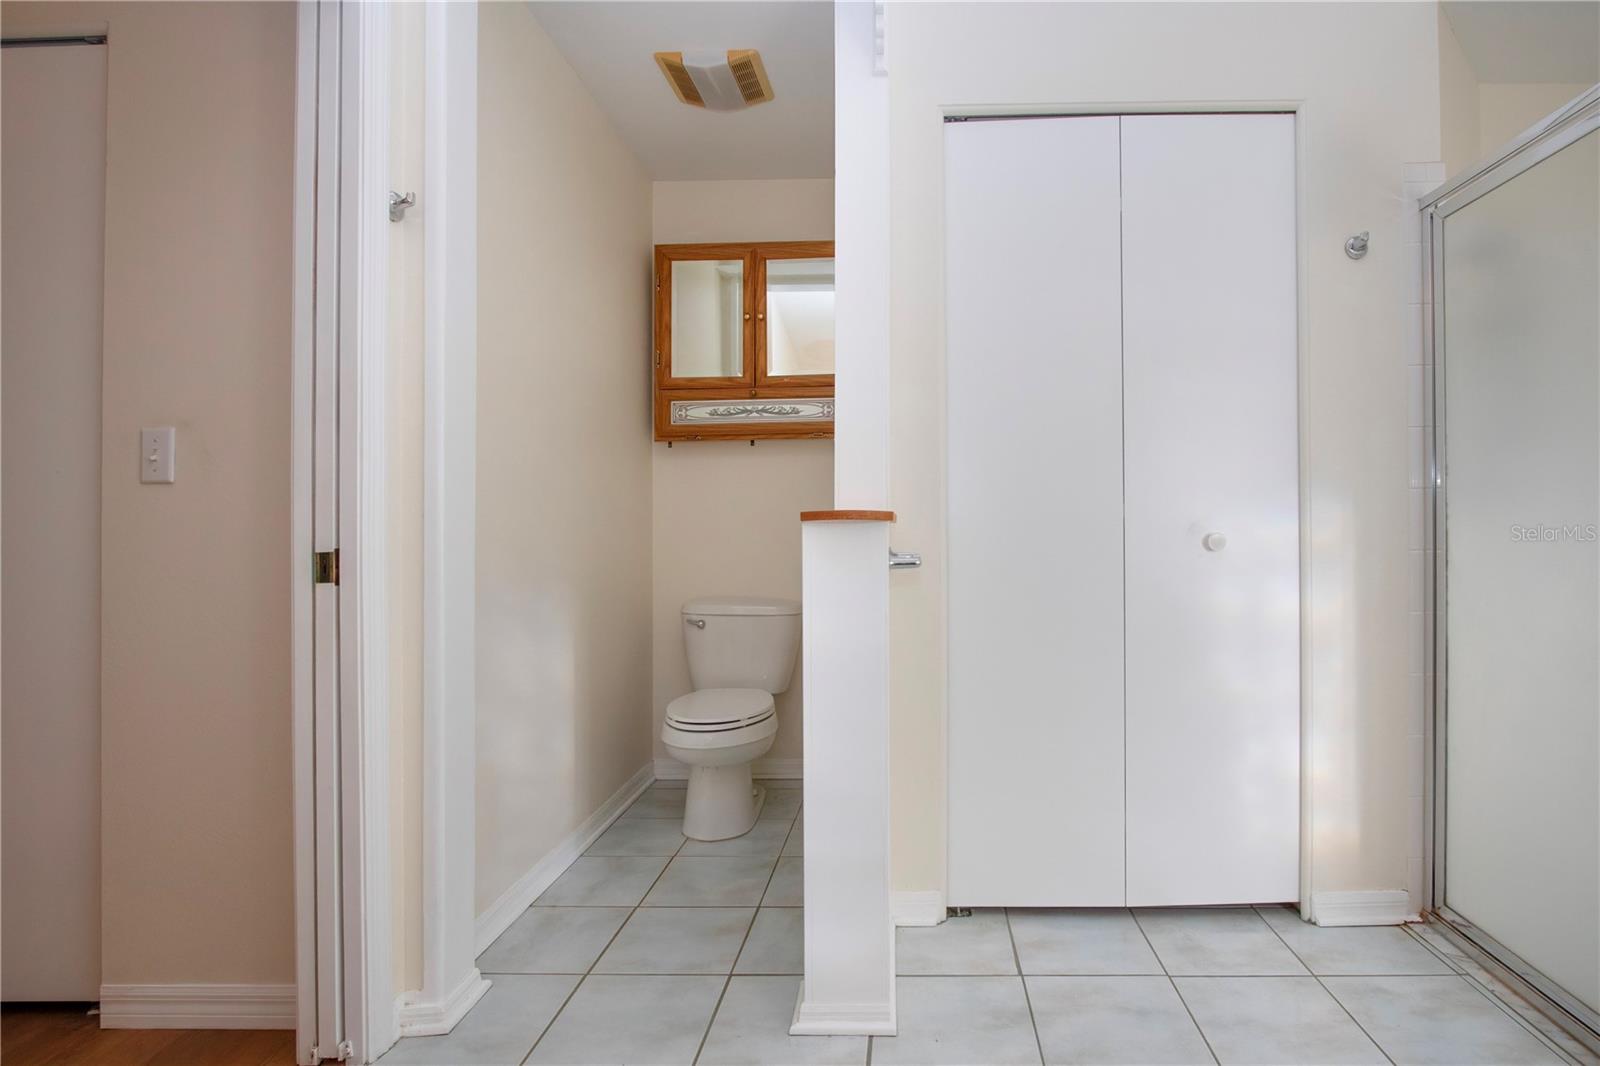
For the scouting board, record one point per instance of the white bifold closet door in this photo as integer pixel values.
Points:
(1210, 399)
(1123, 511)
(1035, 527)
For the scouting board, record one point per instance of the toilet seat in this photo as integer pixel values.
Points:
(720, 710)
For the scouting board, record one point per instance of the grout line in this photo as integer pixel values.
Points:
(1325, 989)
(551, 1024)
(1174, 986)
(1016, 958)
(712, 1020)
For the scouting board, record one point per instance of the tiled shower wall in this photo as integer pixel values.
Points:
(1417, 181)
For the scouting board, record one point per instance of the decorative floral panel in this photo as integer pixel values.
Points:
(741, 412)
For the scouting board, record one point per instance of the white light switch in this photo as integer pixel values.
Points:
(157, 448)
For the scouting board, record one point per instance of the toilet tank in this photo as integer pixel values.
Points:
(741, 641)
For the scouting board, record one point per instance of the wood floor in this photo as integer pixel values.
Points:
(70, 1036)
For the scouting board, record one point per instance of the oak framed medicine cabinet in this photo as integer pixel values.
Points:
(744, 341)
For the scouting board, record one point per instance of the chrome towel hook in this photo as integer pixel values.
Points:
(398, 205)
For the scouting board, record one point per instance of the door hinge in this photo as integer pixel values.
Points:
(325, 567)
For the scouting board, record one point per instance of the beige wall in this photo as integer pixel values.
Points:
(727, 516)
(404, 369)
(54, 158)
(1360, 122)
(563, 549)
(197, 860)
(1458, 102)
(1506, 109)
(1476, 117)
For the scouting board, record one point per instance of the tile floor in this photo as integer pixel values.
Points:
(655, 949)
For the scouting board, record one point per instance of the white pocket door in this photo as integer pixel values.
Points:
(1123, 511)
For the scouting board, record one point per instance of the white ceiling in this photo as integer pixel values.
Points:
(611, 45)
(1529, 40)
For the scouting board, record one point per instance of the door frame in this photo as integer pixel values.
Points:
(351, 107)
(1578, 119)
(1302, 112)
(376, 1013)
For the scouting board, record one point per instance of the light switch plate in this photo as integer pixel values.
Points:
(157, 455)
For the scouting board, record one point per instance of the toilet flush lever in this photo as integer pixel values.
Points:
(903, 560)
(698, 623)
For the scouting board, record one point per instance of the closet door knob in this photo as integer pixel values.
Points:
(1214, 542)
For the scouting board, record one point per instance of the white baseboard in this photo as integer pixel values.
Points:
(527, 888)
(197, 1006)
(413, 1018)
(673, 770)
(842, 1019)
(917, 908)
(1386, 907)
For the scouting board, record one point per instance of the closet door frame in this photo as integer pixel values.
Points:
(1297, 109)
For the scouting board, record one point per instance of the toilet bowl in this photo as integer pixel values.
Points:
(741, 651)
(718, 733)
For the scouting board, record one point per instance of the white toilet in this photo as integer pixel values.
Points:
(741, 651)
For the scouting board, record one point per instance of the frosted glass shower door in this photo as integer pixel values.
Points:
(1521, 615)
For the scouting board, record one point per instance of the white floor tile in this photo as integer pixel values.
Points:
(1110, 1020)
(1216, 941)
(657, 801)
(1090, 941)
(499, 1030)
(553, 940)
(959, 1020)
(612, 1019)
(776, 944)
(640, 836)
(603, 882)
(764, 840)
(788, 888)
(678, 940)
(752, 1029)
(1357, 950)
(711, 881)
(975, 945)
(1274, 1021)
(782, 804)
(1437, 1020)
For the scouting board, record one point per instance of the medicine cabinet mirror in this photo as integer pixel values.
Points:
(744, 340)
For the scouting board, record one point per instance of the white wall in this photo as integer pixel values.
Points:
(726, 515)
(196, 845)
(1359, 122)
(563, 590)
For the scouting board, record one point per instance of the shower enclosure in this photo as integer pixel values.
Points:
(1514, 255)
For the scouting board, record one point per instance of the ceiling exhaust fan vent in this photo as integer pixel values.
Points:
(750, 74)
(671, 64)
(717, 81)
